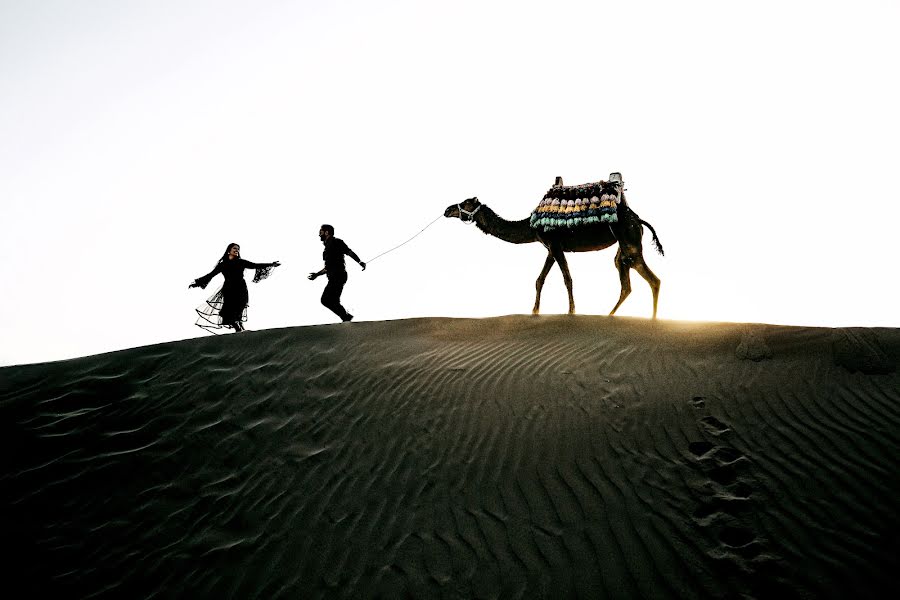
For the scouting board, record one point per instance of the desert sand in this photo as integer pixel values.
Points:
(509, 457)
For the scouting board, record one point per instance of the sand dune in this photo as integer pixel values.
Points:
(512, 457)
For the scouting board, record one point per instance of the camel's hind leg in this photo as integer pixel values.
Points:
(624, 279)
(634, 261)
(644, 271)
(539, 284)
(560, 258)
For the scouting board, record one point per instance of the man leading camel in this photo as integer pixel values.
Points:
(334, 269)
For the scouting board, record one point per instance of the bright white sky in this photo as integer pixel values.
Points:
(137, 139)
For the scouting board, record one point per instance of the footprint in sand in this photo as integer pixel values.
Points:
(723, 474)
(725, 509)
(740, 491)
(714, 426)
(700, 448)
(721, 462)
(740, 539)
(723, 454)
(726, 456)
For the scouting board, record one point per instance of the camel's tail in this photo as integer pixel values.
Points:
(656, 241)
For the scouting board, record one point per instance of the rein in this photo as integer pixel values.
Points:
(462, 211)
(407, 241)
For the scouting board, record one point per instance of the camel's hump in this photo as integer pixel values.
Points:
(577, 205)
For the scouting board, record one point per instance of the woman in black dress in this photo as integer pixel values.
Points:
(228, 306)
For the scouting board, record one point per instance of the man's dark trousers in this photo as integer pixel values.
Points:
(331, 297)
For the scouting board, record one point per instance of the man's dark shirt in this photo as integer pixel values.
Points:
(335, 249)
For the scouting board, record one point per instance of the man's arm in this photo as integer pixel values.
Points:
(353, 255)
(314, 275)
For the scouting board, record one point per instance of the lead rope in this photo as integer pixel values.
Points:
(406, 242)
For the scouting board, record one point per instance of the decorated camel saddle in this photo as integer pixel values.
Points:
(577, 205)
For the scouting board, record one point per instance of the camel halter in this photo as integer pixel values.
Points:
(471, 215)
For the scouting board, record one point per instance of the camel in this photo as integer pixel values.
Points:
(583, 238)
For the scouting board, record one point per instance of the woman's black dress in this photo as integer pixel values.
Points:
(229, 304)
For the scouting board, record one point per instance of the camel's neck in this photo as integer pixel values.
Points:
(515, 232)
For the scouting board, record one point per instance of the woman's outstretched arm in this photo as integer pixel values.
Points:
(202, 282)
(262, 269)
(252, 265)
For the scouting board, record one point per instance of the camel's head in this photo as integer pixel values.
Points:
(465, 210)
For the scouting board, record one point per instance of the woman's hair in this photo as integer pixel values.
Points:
(227, 250)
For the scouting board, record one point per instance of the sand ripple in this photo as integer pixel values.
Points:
(515, 457)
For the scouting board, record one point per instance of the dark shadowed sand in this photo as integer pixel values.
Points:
(512, 457)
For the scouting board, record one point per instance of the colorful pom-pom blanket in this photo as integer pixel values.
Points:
(574, 205)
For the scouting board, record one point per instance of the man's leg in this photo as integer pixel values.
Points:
(331, 297)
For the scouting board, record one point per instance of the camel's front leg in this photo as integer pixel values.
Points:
(539, 284)
(560, 258)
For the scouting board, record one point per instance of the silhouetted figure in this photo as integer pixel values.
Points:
(228, 306)
(335, 249)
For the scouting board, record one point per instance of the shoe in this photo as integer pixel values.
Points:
(348, 318)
